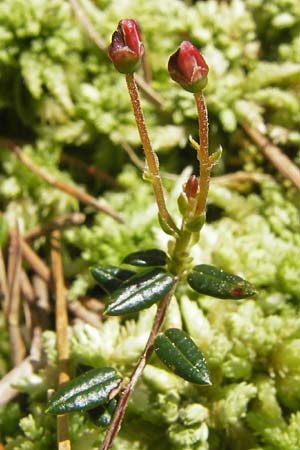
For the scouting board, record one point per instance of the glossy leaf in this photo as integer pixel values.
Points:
(140, 292)
(217, 283)
(178, 351)
(85, 392)
(110, 277)
(153, 257)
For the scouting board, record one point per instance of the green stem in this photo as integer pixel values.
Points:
(151, 157)
(202, 154)
(180, 254)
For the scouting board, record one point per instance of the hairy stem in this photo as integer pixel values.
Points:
(137, 372)
(151, 158)
(202, 154)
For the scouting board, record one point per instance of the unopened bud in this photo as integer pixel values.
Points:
(191, 186)
(188, 68)
(126, 49)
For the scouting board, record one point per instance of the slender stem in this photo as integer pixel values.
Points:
(61, 333)
(202, 154)
(151, 157)
(137, 372)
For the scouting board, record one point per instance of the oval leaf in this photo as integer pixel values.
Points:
(110, 277)
(85, 392)
(153, 257)
(178, 351)
(215, 282)
(140, 292)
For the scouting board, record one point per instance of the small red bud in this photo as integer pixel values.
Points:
(191, 187)
(188, 68)
(126, 49)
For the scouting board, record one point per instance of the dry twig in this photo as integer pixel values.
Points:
(90, 169)
(3, 285)
(282, 163)
(82, 196)
(61, 333)
(43, 307)
(13, 314)
(238, 178)
(7, 392)
(84, 314)
(35, 262)
(58, 223)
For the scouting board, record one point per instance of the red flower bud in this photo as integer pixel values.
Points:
(191, 186)
(126, 49)
(188, 68)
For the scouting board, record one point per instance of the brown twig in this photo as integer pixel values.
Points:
(282, 163)
(58, 223)
(137, 372)
(26, 288)
(43, 307)
(7, 392)
(239, 177)
(153, 96)
(61, 333)
(36, 263)
(90, 169)
(17, 346)
(83, 197)
(139, 163)
(3, 285)
(84, 314)
(93, 304)
(24, 369)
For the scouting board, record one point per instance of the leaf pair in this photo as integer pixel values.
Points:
(93, 388)
(131, 292)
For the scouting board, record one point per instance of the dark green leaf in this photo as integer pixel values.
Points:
(110, 277)
(85, 392)
(212, 281)
(140, 292)
(104, 418)
(178, 351)
(153, 257)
